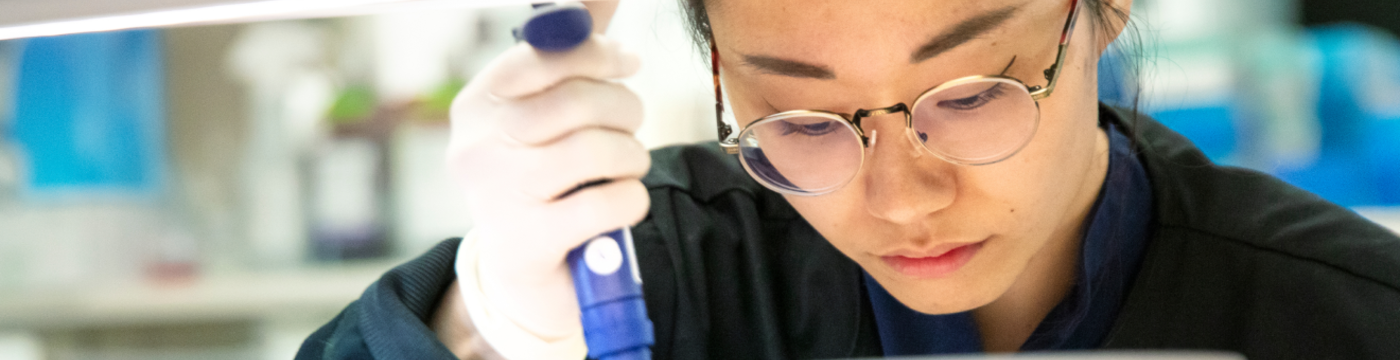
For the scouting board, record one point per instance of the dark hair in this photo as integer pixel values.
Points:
(1128, 49)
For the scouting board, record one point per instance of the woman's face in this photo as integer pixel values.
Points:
(940, 237)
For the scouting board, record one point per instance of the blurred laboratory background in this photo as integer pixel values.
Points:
(219, 192)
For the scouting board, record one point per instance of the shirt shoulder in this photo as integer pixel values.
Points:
(1242, 261)
(389, 321)
(702, 170)
(1257, 212)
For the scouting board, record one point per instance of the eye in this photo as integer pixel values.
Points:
(975, 101)
(814, 129)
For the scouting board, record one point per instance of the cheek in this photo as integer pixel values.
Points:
(842, 220)
(1044, 186)
(1039, 182)
(830, 214)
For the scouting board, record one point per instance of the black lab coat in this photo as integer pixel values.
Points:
(1237, 261)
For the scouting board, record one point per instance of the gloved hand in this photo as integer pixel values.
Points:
(527, 129)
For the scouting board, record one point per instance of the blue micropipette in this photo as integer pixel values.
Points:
(609, 286)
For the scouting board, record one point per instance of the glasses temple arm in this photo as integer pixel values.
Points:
(1053, 73)
(730, 145)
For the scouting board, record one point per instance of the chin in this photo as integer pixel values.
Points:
(961, 303)
(939, 296)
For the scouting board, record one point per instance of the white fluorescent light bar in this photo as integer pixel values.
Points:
(233, 12)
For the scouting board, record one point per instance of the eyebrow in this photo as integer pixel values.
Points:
(785, 67)
(965, 31)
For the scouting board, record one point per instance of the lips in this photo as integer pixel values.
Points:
(937, 265)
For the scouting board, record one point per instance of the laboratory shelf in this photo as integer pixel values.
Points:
(239, 296)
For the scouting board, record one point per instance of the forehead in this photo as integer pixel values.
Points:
(803, 22)
(848, 35)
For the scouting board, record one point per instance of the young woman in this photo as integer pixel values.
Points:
(907, 177)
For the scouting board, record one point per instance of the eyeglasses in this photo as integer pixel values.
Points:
(974, 120)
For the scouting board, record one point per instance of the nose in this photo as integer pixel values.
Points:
(903, 182)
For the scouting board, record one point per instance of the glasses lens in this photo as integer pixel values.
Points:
(801, 154)
(976, 122)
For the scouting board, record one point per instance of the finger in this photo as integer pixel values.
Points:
(602, 12)
(594, 211)
(522, 70)
(550, 231)
(586, 155)
(574, 104)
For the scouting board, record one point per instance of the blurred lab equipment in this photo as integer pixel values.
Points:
(1358, 105)
(1251, 88)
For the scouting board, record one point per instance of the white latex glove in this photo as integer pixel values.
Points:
(528, 128)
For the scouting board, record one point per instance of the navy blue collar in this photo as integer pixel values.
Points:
(1112, 252)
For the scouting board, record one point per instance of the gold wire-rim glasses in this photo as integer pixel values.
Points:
(730, 144)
